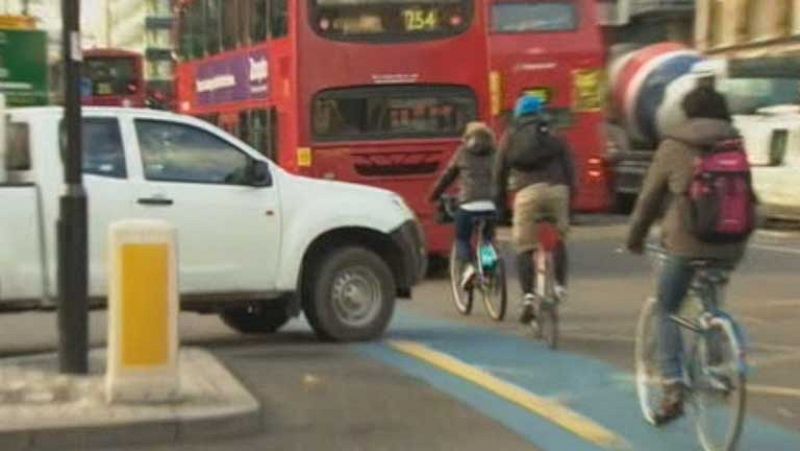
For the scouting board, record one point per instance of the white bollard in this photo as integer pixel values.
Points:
(143, 307)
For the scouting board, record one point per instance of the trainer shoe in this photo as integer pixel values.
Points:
(671, 404)
(528, 309)
(467, 276)
(560, 292)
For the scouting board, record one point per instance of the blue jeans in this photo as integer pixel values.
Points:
(465, 223)
(676, 278)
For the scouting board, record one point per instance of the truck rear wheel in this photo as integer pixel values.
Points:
(257, 318)
(349, 295)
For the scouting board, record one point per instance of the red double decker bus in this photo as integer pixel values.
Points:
(367, 91)
(554, 49)
(113, 77)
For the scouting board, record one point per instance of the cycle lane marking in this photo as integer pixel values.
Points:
(554, 412)
(588, 385)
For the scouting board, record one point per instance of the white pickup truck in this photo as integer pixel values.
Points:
(256, 245)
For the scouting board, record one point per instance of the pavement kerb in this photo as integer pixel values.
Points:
(217, 405)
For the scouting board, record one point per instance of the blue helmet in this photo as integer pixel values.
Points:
(528, 106)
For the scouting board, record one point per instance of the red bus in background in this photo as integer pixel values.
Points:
(113, 77)
(554, 49)
(375, 92)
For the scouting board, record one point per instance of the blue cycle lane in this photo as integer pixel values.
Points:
(597, 391)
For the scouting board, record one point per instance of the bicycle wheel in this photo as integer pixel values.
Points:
(718, 386)
(648, 372)
(547, 322)
(461, 298)
(495, 293)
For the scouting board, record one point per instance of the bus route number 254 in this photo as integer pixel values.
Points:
(421, 20)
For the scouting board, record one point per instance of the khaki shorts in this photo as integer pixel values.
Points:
(534, 203)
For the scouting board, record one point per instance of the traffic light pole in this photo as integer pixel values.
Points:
(73, 312)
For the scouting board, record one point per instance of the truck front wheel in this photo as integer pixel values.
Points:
(256, 318)
(349, 295)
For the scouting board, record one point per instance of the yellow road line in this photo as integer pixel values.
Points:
(774, 391)
(557, 413)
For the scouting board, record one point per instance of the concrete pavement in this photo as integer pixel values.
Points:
(40, 409)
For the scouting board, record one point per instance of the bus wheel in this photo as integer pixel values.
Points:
(257, 318)
(349, 295)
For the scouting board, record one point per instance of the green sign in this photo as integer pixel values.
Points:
(23, 67)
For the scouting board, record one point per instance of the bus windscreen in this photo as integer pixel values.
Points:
(538, 17)
(390, 20)
(392, 112)
(111, 76)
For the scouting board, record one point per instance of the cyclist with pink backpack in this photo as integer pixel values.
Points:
(701, 175)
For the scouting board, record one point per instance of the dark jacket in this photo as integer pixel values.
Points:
(472, 165)
(547, 159)
(667, 185)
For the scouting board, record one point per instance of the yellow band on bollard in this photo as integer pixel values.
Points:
(146, 305)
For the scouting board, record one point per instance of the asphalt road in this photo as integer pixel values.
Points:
(441, 381)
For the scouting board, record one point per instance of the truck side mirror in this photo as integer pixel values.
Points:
(259, 175)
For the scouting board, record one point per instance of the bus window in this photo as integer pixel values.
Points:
(272, 152)
(230, 26)
(253, 130)
(193, 38)
(516, 17)
(279, 18)
(258, 21)
(213, 15)
(111, 76)
(392, 112)
(390, 20)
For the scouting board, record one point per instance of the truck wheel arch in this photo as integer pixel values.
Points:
(377, 242)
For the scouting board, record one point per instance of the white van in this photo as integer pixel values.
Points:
(772, 138)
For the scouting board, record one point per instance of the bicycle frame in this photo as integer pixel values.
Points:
(548, 239)
(708, 285)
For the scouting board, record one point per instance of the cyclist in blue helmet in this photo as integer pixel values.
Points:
(540, 168)
(528, 106)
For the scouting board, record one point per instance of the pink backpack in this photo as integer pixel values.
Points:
(721, 197)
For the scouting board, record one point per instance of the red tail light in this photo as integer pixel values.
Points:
(595, 168)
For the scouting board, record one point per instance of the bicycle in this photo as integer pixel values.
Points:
(546, 319)
(715, 370)
(490, 272)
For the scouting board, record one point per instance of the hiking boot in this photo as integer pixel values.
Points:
(671, 404)
(528, 309)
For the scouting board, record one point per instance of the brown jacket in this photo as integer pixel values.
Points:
(667, 184)
(554, 165)
(472, 165)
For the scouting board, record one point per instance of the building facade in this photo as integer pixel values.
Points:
(642, 22)
(144, 26)
(759, 38)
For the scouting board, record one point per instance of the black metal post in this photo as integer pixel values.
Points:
(73, 313)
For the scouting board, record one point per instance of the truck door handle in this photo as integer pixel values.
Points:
(155, 201)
